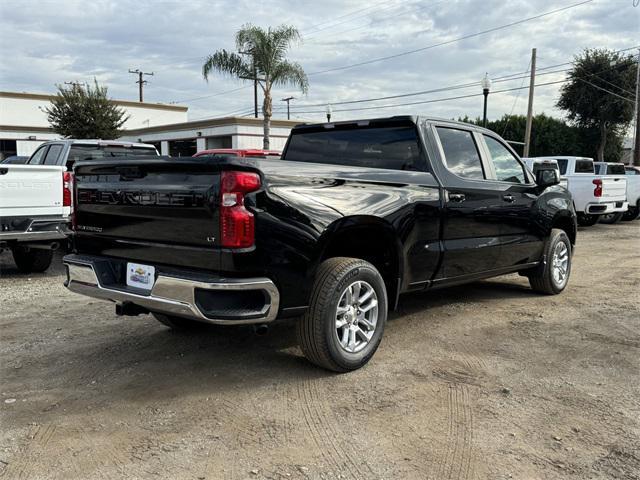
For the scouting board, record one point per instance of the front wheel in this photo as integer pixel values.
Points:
(553, 275)
(587, 219)
(611, 218)
(345, 321)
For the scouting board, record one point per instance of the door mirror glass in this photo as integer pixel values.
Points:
(546, 177)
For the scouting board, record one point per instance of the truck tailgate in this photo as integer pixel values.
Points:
(30, 190)
(162, 211)
(614, 187)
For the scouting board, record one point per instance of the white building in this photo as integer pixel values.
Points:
(187, 138)
(24, 126)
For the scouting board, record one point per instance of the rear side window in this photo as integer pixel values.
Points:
(615, 169)
(394, 148)
(38, 157)
(461, 153)
(584, 166)
(507, 167)
(52, 155)
(631, 171)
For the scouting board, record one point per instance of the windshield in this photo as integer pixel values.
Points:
(392, 147)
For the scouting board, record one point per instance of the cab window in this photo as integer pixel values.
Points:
(38, 157)
(461, 153)
(51, 158)
(506, 165)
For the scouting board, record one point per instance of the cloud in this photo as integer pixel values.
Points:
(44, 43)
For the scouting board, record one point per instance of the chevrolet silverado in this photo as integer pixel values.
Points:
(353, 215)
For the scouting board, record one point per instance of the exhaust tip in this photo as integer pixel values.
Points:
(261, 329)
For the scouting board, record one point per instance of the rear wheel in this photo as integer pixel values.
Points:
(177, 323)
(587, 219)
(32, 260)
(552, 277)
(611, 218)
(344, 323)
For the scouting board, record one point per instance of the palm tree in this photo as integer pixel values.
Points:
(265, 60)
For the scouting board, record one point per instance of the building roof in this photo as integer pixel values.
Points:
(212, 122)
(123, 103)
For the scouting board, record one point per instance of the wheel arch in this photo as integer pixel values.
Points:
(566, 221)
(369, 238)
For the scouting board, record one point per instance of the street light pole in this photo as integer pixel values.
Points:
(486, 86)
(329, 111)
(288, 99)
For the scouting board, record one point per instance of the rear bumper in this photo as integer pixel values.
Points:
(34, 229)
(609, 207)
(227, 301)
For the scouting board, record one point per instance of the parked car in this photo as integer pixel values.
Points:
(15, 160)
(35, 209)
(67, 152)
(633, 193)
(353, 215)
(616, 171)
(239, 152)
(593, 195)
(533, 164)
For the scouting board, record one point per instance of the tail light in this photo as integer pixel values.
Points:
(237, 224)
(67, 187)
(597, 192)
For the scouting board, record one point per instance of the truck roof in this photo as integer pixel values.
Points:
(387, 120)
(97, 141)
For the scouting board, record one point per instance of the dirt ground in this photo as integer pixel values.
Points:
(487, 381)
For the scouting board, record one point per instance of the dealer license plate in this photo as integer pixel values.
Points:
(140, 276)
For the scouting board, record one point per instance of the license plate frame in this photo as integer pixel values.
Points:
(141, 276)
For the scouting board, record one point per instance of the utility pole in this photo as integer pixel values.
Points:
(140, 81)
(527, 132)
(255, 81)
(288, 99)
(636, 133)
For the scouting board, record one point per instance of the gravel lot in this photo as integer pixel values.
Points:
(481, 381)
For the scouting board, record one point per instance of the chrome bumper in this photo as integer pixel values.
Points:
(39, 231)
(609, 207)
(174, 296)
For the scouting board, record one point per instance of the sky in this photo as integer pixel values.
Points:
(49, 42)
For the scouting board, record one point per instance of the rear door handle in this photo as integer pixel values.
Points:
(509, 198)
(457, 197)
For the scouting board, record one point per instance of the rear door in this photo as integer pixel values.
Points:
(520, 238)
(471, 221)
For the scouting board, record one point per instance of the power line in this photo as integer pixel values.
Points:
(435, 100)
(211, 95)
(605, 90)
(448, 42)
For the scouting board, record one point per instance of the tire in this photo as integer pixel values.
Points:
(557, 251)
(632, 213)
(178, 323)
(587, 220)
(318, 330)
(32, 260)
(611, 218)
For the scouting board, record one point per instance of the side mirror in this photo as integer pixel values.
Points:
(547, 177)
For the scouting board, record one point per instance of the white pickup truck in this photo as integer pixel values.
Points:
(35, 213)
(633, 193)
(593, 195)
(613, 170)
(533, 164)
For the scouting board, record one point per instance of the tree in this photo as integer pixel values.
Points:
(81, 111)
(598, 95)
(261, 54)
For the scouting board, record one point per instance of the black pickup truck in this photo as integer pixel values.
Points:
(353, 215)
